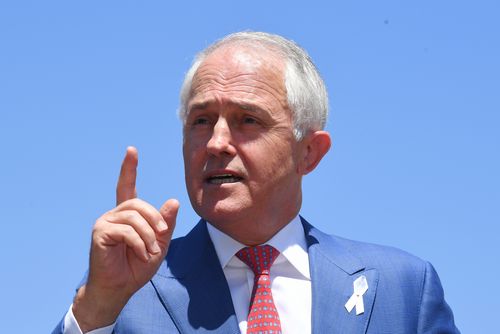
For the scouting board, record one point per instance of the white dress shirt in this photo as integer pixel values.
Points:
(290, 277)
(290, 280)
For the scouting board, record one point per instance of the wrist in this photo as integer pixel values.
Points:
(96, 309)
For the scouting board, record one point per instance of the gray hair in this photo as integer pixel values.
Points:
(306, 92)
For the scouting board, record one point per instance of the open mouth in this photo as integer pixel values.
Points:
(223, 178)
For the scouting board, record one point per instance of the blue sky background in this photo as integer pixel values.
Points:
(415, 117)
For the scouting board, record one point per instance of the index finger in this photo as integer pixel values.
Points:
(125, 189)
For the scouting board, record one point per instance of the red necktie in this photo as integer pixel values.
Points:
(263, 317)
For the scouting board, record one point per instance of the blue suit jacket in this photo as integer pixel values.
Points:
(189, 293)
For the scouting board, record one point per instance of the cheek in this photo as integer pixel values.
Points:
(195, 140)
(187, 158)
(270, 158)
(192, 159)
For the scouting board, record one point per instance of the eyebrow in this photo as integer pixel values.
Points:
(200, 105)
(249, 107)
(204, 105)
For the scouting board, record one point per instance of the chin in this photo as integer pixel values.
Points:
(222, 212)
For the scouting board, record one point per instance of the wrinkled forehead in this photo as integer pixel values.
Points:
(250, 54)
(237, 62)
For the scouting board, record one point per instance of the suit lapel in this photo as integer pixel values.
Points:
(333, 271)
(194, 290)
(193, 287)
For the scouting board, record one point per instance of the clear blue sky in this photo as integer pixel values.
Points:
(415, 118)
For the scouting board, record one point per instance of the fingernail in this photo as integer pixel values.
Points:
(162, 226)
(155, 248)
(147, 257)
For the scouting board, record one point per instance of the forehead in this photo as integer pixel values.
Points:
(239, 73)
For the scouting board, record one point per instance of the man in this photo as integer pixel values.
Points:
(253, 108)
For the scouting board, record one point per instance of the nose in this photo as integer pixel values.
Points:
(220, 142)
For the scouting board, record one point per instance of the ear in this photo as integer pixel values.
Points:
(314, 147)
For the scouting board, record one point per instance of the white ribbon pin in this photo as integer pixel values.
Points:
(360, 287)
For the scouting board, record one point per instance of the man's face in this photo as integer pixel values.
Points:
(240, 154)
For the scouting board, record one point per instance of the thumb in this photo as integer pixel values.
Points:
(168, 211)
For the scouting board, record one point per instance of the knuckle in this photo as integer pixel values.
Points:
(129, 232)
(99, 225)
(136, 202)
(150, 237)
(130, 215)
(137, 243)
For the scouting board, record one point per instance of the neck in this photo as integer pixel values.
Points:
(255, 231)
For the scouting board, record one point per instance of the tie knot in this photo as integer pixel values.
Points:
(258, 258)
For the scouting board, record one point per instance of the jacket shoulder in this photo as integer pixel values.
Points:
(381, 256)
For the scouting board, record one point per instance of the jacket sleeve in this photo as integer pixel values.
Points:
(435, 316)
(59, 328)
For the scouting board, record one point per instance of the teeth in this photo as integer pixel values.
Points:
(223, 178)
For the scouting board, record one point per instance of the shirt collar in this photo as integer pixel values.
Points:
(290, 241)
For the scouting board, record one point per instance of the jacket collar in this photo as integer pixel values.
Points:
(194, 291)
(333, 271)
(193, 287)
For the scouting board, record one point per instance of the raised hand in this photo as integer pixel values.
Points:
(128, 245)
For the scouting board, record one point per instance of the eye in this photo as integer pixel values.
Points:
(249, 120)
(200, 121)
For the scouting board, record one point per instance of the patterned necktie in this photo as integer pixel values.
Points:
(263, 317)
